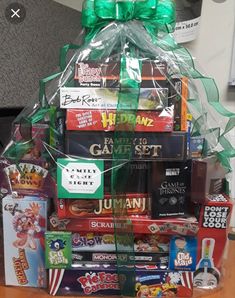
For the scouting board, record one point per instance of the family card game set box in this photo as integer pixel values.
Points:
(114, 184)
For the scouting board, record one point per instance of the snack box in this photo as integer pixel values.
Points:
(24, 225)
(141, 225)
(144, 146)
(133, 204)
(97, 242)
(108, 120)
(98, 280)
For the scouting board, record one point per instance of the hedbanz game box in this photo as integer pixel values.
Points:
(147, 121)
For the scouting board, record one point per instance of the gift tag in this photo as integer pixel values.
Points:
(80, 179)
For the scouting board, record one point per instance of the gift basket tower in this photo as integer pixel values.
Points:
(116, 180)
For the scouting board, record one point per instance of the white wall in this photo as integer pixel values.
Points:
(213, 47)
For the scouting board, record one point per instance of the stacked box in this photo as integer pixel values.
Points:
(24, 225)
(26, 188)
(103, 281)
(159, 182)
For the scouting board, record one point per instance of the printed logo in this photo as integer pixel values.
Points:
(215, 217)
(95, 282)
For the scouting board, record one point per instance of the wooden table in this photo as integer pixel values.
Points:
(228, 290)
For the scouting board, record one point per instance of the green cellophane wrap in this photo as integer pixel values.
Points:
(131, 33)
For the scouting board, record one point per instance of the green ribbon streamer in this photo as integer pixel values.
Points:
(128, 94)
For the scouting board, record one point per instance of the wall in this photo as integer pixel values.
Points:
(29, 51)
(213, 47)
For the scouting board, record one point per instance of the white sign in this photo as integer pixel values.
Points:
(107, 98)
(88, 98)
(83, 178)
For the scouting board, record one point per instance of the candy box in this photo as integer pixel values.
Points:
(24, 224)
(98, 280)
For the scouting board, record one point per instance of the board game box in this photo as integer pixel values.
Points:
(24, 224)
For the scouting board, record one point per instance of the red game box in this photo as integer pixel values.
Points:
(135, 204)
(95, 120)
(212, 239)
(141, 225)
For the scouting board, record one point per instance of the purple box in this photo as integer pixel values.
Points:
(98, 280)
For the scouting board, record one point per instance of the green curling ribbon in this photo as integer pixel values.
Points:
(155, 14)
(187, 68)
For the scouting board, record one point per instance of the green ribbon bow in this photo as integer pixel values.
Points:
(155, 14)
